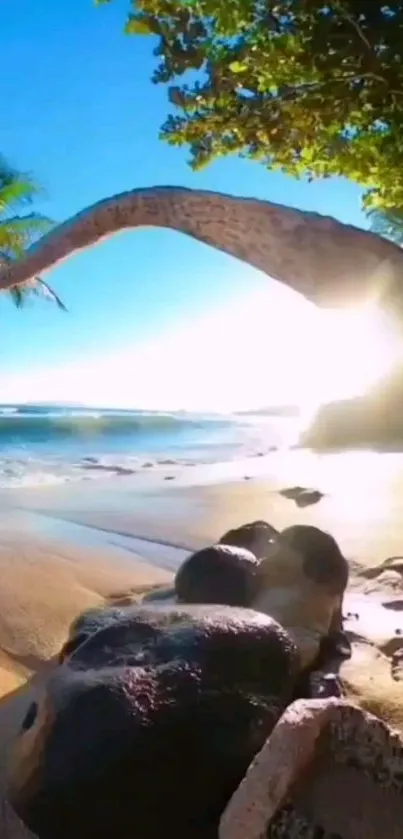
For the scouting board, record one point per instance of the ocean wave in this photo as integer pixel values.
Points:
(32, 427)
(44, 444)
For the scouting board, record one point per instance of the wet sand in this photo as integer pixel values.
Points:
(65, 549)
(159, 522)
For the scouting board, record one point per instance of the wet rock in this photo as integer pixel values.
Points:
(301, 584)
(256, 536)
(397, 665)
(151, 722)
(368, 680)
(395, 605)
(218, 574)
(165, 594)
(303, 497)
(292, 492)
(328, 770)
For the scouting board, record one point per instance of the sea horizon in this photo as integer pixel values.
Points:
(54, 442)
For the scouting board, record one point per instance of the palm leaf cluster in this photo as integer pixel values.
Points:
(19, 230)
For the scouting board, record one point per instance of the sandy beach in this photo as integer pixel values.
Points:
(65, 549)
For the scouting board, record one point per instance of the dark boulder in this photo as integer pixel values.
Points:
(150, 723)
(255, 536)
(217, 574)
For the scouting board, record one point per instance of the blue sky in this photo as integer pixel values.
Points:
(82, 115)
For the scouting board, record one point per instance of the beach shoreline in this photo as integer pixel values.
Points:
(73, 547)
(189, 506)
(69, 548)
(157, 523)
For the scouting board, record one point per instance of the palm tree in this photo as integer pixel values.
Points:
(17, 231)
(329, 263)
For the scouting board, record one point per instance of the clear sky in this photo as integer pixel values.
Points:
(155, 319)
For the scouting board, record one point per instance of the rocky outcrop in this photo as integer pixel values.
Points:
(328, 769)
(374, 419)
(297, 576)
(148, 726)
(181, 719)
(301, 584)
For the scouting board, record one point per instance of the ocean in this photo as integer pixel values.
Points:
(56, 444)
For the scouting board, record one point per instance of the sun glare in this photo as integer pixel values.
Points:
(360, 346)
(266, 348)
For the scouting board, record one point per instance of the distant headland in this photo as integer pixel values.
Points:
(373, 420)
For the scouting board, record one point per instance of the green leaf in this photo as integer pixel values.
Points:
(137, 26)
(237, 67)
(298, 89)
(18, 232)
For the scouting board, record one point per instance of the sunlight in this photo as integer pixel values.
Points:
(268, 347)
(359, 347)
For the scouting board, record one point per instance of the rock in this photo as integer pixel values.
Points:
(387, 581)
(301, 585)
(105, 467)
(396, 605)
(327, 770)
(371, 420)
(397, 665)
(386, 577)
(224, 573)
(256, 536)
(305, 499)
(302, 497)
(392, 646)
(218, 574)
(166, 594)
(369, 681)
(292, 492)
(148, 726)
(394, 563)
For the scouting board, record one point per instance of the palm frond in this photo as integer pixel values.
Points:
(17, 194)
(43, 289)
(33, 223)
(18, 296)
(18, 232)
(16, 188)
(37, 286)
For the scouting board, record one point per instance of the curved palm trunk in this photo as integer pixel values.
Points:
(326, 261)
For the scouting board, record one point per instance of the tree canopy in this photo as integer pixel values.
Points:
(18, 231)
(309, 88)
